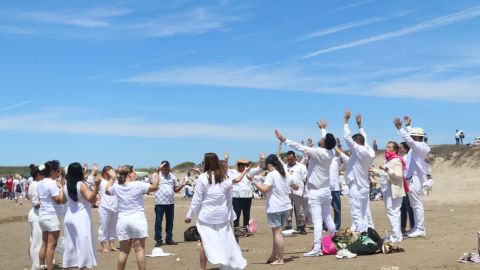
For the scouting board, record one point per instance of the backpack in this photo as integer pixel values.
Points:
(18, 188)
(368, 243)
(191, 234)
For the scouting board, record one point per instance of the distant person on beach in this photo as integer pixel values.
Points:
(457, 137)
(107, 212)
(375, 145)
(18, 189)
(132, 226)
(406, 211)
(356, 173)
(9, 185)
(318, 184)
(462, 136)
(34, 218)
(212, 206)
(80, 248)
(52, 198)
(165, 204)
(417, 170)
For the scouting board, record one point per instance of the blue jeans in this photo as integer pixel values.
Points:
(168, 210)
(337, 208)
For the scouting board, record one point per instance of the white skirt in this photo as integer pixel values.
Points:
(220, 245)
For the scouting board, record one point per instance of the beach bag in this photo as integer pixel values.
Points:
(328, 247)
(191, 234)
(252, 226)
(368, 243)
(343, 239)
(18, 188)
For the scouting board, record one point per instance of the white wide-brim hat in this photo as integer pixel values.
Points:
(158, 252)
(416, 131)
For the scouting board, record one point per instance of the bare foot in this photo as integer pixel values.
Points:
(113, 249)
(105, 250)
(277, 262)
(270, 260)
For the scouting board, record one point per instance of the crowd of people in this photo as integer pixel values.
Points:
(61, 199)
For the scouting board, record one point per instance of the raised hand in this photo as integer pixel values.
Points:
(407, 120)
(280, 136)
(322, 124)
(226, 156)
(95, 167)
(85, 167)
(398, 123)
(358, 118)
(195, 169)
(309, 142)
(261, 156)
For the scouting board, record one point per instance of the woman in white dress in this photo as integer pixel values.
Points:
(79, 251)
(132, 227)
(33, 218)
(107, 213)
(50, 193)
(278, 206)
(212, 205)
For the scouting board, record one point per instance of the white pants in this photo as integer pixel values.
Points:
(415, 196)
(35, 244)
(108, 224)
(360, 209)
(319, 202)
(392, 206)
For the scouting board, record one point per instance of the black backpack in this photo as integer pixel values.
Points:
(18, 188)
(191, 234)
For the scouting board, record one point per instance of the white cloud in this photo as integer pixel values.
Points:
(15, 30)
(353, 5)
(16, 105)
(463, 15)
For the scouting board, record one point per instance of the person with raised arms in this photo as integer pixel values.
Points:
(318, 184)
(107, 212)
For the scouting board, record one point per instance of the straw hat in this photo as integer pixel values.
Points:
(158, 252)
(243, 161)
(416, 131)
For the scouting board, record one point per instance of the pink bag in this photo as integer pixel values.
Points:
(252, 226)
(328, 247)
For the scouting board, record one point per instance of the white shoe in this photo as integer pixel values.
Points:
(345, 254)
(417, 233)
(313, 253)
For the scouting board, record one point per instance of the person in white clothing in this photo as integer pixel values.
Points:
(277, 187)
(80, 248)
(212, 206)
(107, 212)
(18, 189)
(318, 184)
(33, 218)
(52, 198)
(356, 173)
(417, 170)
(132, 227)
(298, 172)
(391, 175)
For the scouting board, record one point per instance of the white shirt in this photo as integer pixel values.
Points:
(47, 189)
(212, 203)
(130, 197)
(278, 199)
(298, 173)
(242, 189)
(335, 174)
(360, 161)
(165, 193)
(318, 174)
(416, 164)
(35, 200)
(15, 183)
(107, 201)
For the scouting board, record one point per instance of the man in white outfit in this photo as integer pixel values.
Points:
(319, 195)
(417, 170)
(357, 175)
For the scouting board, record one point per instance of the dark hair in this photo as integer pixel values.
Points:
(273, 160)
(51, 166)
(405, 145)
(396, 147)
(290, 153)
(123, 173)
(330, 141)
(166, 163)
(212, 166)
(358, 138)
(105, 171)
(34, 171)
(74, 175)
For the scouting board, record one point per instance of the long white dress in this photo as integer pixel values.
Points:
(79, 242)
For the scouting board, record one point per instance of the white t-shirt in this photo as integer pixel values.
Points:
(15, 183)
(165, 193)
(278, 199)
(47, 189)
(107, 201)
(298, 173)
(130, 197)
(242, 189)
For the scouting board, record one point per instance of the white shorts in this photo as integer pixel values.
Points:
(18, 195)
(49, 223)
(132, 227)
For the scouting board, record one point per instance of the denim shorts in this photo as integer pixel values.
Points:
(278, 219)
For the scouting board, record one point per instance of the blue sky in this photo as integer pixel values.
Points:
(138, 82)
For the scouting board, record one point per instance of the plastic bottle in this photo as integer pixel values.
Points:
(386, 238)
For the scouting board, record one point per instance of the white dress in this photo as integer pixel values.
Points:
(79, 242)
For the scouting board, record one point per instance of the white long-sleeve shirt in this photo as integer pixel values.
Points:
(360, 161)
(318, 173)
(210, 202)
(416, 164)
(334, 169)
